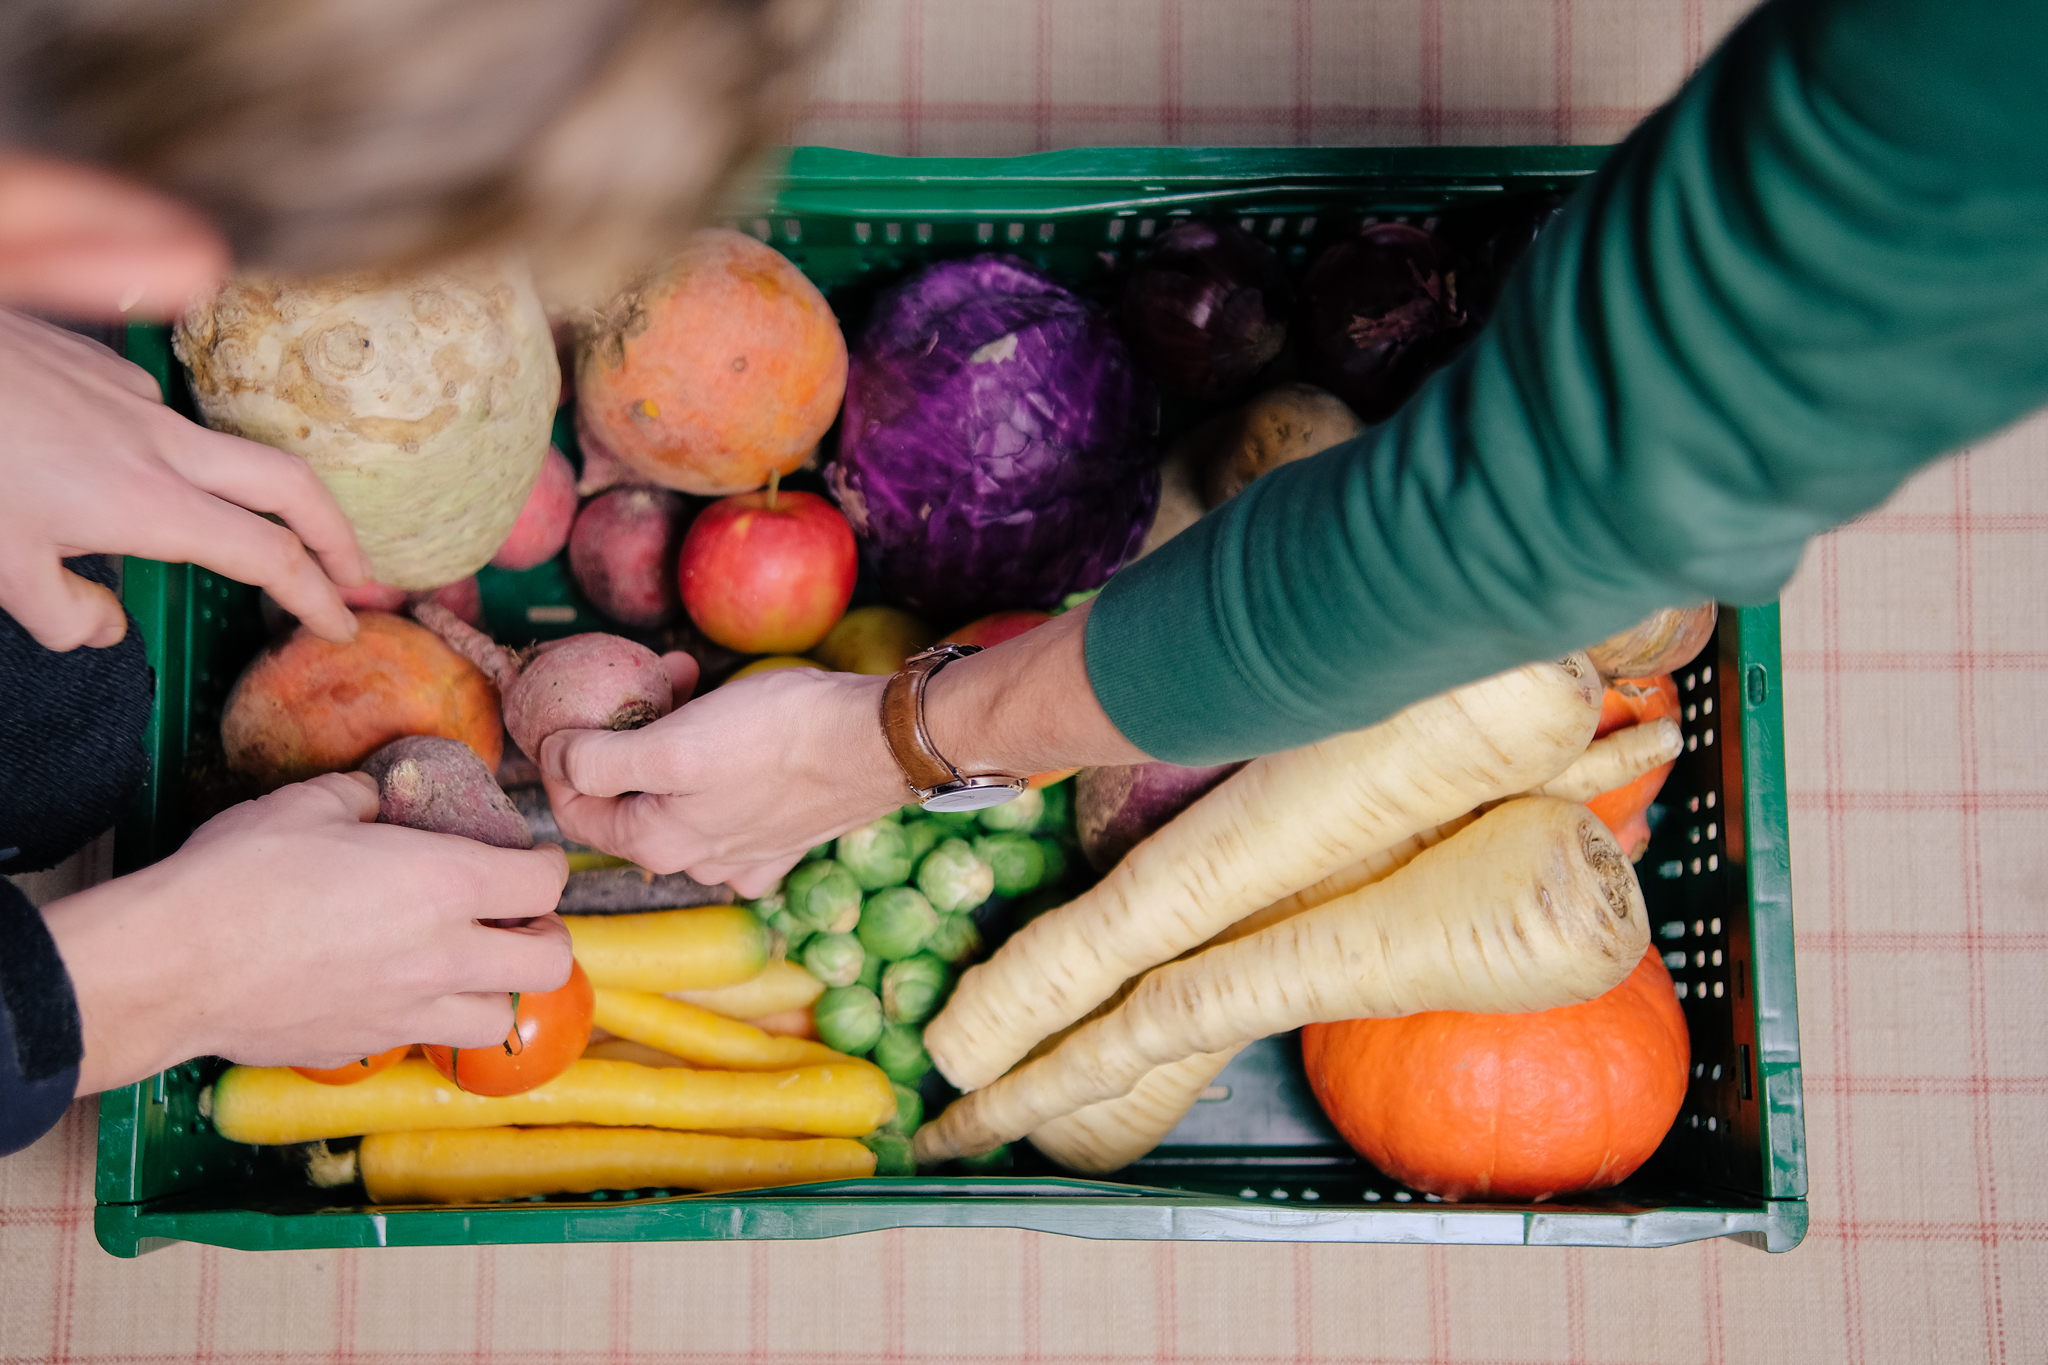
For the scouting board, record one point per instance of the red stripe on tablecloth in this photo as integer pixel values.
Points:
(1304, 1272)
(1829, 1083)
(1918, 660)
(1561, 71)
(1041, 77)
(1954, 1230)
(43, 1216)
(1165, 1303)
(206, 1309)
(910, 109)
(1331, 120)
(1169, 70)
(1919, 941)
(1031, 1285)
(621, 1349)
(1967, 801)
(73, 1191)
(1304, 73)
(1575, 1304)
(759, 1304)
(1436, 1280)
(1694, 23)
(1838, 967)
(892, 1295)
(486, 1304)
(344, 1307)
(1946, 523)
(1432, 57)
(1710, 1284)
(1973, 921)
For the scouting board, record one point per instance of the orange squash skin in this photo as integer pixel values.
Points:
(726, 368)
(1509, 1106)
(307, 706)
(1633, 701)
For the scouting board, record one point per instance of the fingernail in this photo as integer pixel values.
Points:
(129, 298)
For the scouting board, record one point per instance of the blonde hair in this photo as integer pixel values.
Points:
(326, 135)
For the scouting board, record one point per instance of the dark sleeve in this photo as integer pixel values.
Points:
(1823, 265)
(40, 1045)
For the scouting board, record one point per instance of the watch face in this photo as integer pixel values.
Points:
(974, 798)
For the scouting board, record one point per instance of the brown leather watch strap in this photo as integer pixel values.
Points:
(903, 723)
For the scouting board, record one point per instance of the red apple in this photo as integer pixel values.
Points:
(992, 630)
(768, 572)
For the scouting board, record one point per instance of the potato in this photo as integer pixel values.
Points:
(422, 401)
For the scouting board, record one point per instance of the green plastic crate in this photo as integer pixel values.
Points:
(1257, 1162)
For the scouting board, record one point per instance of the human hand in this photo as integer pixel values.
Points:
(95, 463)
(735, 786)
(292, 930)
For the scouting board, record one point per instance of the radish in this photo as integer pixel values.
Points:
(1532, 907)
(582, 682)
(426, 782)
(1283, 822)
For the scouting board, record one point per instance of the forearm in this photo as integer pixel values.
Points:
(1775, 301)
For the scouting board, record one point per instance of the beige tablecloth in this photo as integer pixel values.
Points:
(1915, 684)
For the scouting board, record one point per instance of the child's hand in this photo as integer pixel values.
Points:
(93, 463)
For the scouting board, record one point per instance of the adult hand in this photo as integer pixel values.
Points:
(732, 787)
(93, 462)
(292, 930)
(736, 785)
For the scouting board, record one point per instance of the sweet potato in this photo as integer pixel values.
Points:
(426, 782)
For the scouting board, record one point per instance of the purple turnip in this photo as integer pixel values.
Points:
(1379, 313)
(1116, 808)
(1205, 309)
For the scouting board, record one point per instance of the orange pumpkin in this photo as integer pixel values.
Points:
(1632, 701)
(724, 368)
(1509, 1106)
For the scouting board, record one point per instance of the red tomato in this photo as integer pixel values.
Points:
(353, 1071)
(549, 1031)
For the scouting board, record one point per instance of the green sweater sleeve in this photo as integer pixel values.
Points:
(1824, 264)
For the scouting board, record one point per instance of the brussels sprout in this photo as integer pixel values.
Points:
(900, 1053)
(770, 905)
(892, 1153)
(877, 855)
(823, 850)
(849, 1019)
(1036, 904)
(952, 878)
(1019, 816)
(897, 814)
(909, 1111)
(997, 1162)
(922, 836)
(1016, 860)
(954, 821)
(1058, 815)
(1056, 861)
(912, 988)
(871, 971)
(956, 939)
(896, 922)
(835, 959)
(823, 896)
(793, 933)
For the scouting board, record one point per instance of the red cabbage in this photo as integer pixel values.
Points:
(996, 446)
(1205, 308)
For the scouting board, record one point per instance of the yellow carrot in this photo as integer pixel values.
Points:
(474, 1166)
(671, 950)
(780, 987)
(1281, 823)
(702, 1038)
(276, 1104)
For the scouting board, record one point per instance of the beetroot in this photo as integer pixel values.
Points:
(1116, 808)
(464, 597)
(426, 782)
(543, 526)
(583, 682)
(623, 551)
(1205, 308)
(1378, 314)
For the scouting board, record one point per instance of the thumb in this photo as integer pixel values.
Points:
(60, 610)
(590, 762)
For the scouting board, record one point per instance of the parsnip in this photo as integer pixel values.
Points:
(1343, 882)
(1110, 1134)
(701, 1038)
(1616, 759)
(1282, 823)
(474, 1166)
(1532, 907)
(275, 1104)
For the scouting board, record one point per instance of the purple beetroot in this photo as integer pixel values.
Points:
(623, 552)
(1116, 808)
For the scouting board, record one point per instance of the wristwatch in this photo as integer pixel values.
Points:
(936, 783)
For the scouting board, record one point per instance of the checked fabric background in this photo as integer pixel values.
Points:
(1915, 688)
